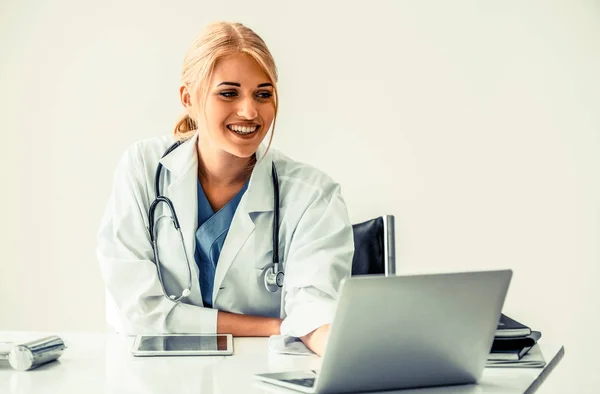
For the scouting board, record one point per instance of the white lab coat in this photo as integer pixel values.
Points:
(316, 245)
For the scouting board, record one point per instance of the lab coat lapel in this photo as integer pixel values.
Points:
(258, 198)
(260, 188)
(182, 167)
(239, 231)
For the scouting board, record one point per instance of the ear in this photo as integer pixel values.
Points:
(184, 95)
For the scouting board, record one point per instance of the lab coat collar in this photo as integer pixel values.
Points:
(260, 189)
(183, 158)
(259, 195)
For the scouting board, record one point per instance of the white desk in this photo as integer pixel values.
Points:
(102, 363)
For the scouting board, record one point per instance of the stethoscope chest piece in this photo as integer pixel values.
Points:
(273, 280)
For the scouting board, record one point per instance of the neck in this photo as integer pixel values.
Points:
(219, 168)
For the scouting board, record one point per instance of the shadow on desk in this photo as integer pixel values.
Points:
(509, 383)
(458, 389)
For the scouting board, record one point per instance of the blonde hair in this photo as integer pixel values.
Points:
(219, 40)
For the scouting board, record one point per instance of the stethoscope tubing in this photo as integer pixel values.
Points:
(273, 280)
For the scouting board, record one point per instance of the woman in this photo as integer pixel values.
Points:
(222, 182)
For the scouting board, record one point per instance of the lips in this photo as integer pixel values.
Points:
(243, 129)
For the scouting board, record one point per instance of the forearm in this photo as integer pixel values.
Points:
(317, 339)
(246, 325)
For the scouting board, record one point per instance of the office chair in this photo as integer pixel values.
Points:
(374, 248)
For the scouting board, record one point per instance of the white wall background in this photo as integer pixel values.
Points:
(476, 123)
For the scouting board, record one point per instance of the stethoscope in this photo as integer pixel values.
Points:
(273, 277)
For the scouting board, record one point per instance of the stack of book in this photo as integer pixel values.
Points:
(513, 344)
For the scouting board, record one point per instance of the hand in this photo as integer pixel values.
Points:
(317, 339)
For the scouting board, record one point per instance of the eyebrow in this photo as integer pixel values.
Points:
(262, 85)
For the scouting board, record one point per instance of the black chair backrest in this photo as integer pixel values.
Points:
(370, 249)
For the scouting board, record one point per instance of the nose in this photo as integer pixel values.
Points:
(247, 108)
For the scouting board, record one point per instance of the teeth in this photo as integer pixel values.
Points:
(242, 129)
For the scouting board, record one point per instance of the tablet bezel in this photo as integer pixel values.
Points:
(143, 353)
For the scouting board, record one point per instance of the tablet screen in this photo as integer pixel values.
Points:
(178, 343)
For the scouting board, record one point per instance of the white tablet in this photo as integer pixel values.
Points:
(183, 345)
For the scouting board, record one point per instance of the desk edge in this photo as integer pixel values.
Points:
(547, 370)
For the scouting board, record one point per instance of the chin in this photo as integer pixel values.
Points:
(242, 152)
(243, 149)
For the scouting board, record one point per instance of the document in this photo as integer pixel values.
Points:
(533, 359)
(285, 344)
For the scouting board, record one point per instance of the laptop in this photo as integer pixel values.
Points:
(400, 332)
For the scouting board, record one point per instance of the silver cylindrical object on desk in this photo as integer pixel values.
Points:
(35, 353)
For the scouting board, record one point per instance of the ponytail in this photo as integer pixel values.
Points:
(185, 127)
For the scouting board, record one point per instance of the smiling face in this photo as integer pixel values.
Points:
(239, 107)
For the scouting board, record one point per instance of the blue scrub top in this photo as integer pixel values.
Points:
(210, 237)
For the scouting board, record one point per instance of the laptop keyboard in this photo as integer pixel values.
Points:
(308, 382)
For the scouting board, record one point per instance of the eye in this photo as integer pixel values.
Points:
(264, 95)
(228, 94)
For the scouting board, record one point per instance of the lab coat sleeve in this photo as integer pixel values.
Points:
(320, 256)
(134, 297)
